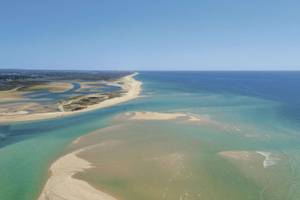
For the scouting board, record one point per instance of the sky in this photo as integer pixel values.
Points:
(150, 35)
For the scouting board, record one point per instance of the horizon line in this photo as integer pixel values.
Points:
(167, 70)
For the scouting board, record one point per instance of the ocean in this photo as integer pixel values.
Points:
(254, 155)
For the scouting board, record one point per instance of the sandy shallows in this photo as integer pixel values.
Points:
(152, 155)
(156, 159)
(266, 169)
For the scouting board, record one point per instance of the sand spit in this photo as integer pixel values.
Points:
(62, 186)
(131, 87)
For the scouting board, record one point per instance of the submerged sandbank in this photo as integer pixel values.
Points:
(131, 90)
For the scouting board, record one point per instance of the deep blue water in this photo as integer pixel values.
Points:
(280, 86)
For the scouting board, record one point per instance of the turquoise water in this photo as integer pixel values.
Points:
(264, 106)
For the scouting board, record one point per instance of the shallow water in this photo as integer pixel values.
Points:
(162, 160)
(261, 110)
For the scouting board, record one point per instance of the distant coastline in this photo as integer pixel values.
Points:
(130, 86)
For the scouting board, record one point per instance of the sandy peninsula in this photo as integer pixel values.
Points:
(131, 89)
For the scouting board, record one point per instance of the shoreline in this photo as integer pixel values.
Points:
(62, 185)
(130, 85)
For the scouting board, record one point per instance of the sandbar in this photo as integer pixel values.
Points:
(168, 116)
(161, 116)
(153, 115)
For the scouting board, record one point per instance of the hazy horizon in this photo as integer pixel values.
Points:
(155, 70)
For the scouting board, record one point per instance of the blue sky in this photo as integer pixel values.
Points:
(150, 35)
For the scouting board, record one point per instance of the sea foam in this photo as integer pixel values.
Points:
(269, 160)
